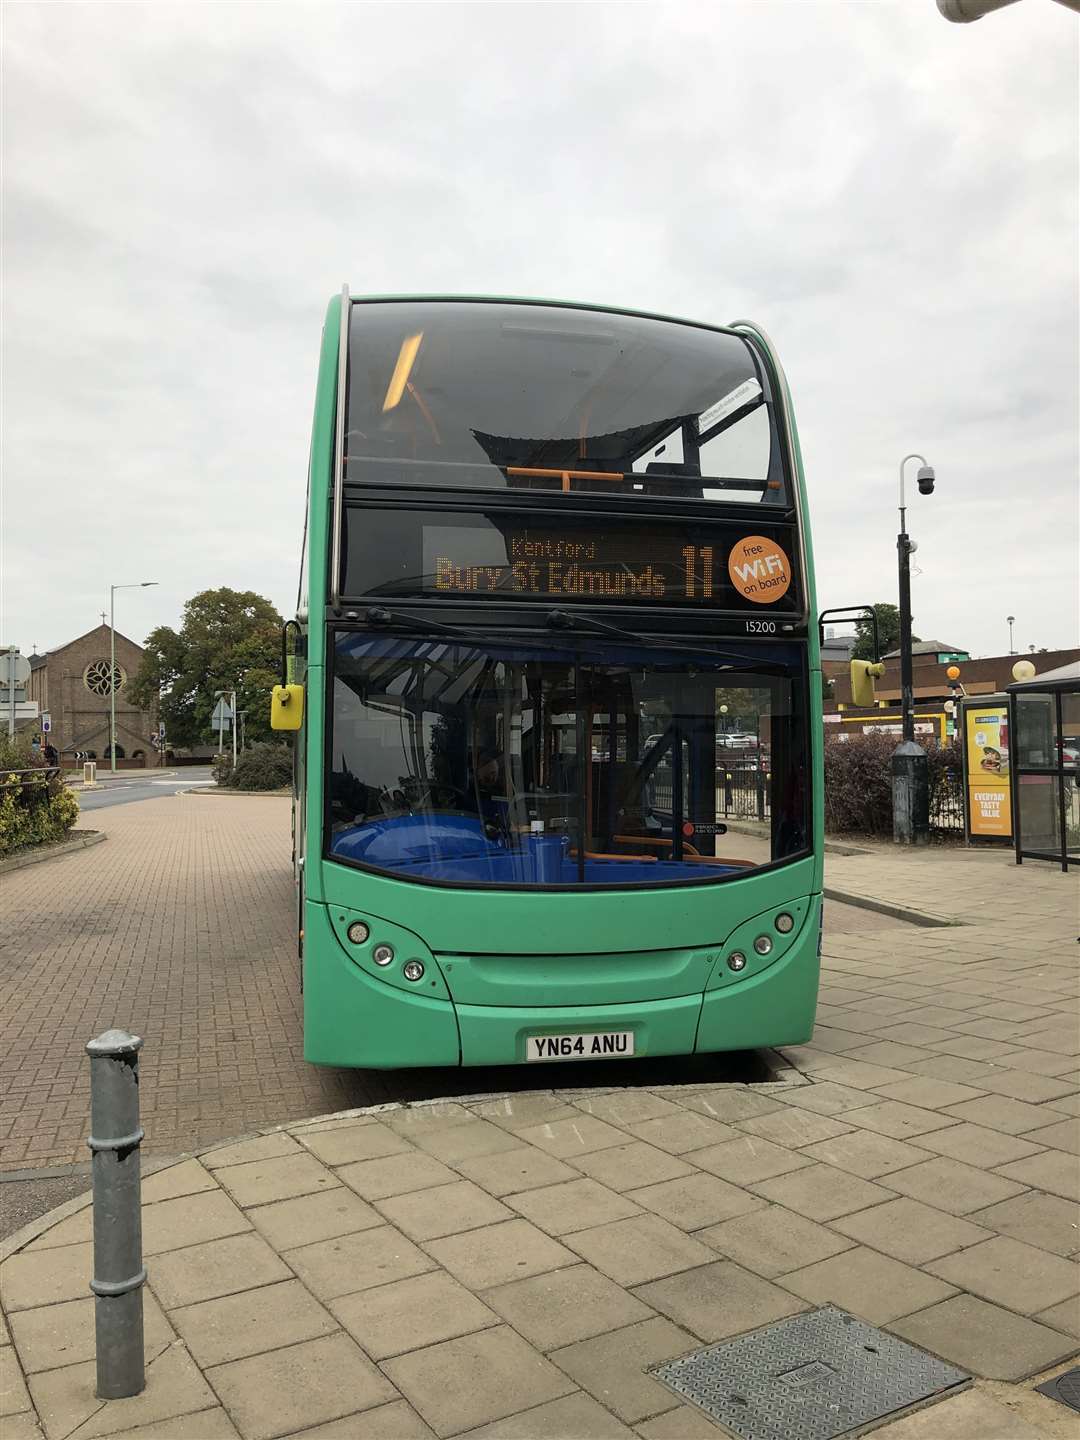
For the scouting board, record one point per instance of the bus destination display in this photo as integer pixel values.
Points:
(629, 564)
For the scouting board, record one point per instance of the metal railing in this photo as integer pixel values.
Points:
(947, 805)
(21, 779)
(742, 792)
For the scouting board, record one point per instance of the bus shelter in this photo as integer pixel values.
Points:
(1044, 722)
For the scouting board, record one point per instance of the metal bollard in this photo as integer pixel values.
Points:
(119, 1273)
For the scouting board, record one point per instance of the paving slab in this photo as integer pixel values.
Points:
(984, 1338)
(568, 1139)
(718, 1300)
(1001, 1112)
(910, 1231)
(631, 1252)
(395, 1175)
(562, 1307)
(355, 1142)
(628, 1167)
(260, 1182)
(976, 1145)
(56, 1335)
(875, 1287)
(476, 1379)
(953, 1186)
(1052, 1170)
(750, 1158)
(216, 1331)
(395, 1421)
(575, 1417)
(974, 1415)
(685, 1130)
(823, 1192)
(612, 1367)
(410, 1314)
(220, 1267)
(358, 1261)
(573, 1205)
(1037, 1219)
(865, 1153)
(516, 1170)
(467, 1141)
(497, 1254)
(277, 1392)
(792, 1128)
(774, 1241)
(288, 1224)
(65, 1398)
(695, 1201)
(443, 1210)
(1010, 1273)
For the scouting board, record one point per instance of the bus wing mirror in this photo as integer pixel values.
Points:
(863, 675)
(287, 707)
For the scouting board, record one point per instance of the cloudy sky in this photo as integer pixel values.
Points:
(893, 197)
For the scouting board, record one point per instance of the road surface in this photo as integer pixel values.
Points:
(142, 785)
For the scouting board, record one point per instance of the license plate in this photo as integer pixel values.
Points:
(610, 1045)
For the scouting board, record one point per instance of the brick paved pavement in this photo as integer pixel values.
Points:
(510, 1267)
(180, 928)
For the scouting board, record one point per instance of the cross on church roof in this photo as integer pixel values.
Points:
(102, 613)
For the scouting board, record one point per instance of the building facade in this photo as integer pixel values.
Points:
(987, 675)
(73, 685)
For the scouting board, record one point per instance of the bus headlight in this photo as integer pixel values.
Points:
(358, 932)
(763, 944)
(413, 970)
(785, 923)
(736, 960)
(383, 954)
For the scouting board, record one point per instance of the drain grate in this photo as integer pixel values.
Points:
(812, 1377)
(1064, 1388)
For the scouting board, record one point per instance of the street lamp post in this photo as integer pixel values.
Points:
(910, 771)
(136, 585)
(1010, 619)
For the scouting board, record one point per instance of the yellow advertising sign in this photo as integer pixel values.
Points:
(986, 736)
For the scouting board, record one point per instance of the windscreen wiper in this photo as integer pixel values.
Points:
(563, 620)
(384, 619)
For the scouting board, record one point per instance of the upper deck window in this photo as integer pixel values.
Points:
(472, 394)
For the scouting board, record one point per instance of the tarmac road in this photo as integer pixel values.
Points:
(142, 786)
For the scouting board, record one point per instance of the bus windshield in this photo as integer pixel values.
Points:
(533, 397)
(589, 763)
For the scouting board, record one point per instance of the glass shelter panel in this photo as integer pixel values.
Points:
(1035, 724)
(532, 765)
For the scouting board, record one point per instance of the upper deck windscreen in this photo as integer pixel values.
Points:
(490, 395)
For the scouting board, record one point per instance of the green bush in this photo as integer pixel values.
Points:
(33, 811)
(261, 767)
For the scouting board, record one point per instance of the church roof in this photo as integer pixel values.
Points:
(102, 630)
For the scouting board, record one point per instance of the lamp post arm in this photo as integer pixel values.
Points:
(903, 462)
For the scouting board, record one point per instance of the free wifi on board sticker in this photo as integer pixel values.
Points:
(759, 569)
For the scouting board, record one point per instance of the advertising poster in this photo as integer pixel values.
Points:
(986, 736)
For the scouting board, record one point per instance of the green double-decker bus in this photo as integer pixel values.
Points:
(557, 577)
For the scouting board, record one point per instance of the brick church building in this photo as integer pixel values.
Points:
(73, 685)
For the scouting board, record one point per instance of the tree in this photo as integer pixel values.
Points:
(228, 640)
(888, 624)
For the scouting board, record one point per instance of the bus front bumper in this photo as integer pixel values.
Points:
(354, 1019)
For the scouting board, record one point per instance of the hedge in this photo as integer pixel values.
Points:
(33, 811)
(265, 766)
(858, 781)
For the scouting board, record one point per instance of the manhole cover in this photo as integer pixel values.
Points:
(811, 1377)
(1064, 1388)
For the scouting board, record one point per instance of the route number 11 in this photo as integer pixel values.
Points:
(690, 556)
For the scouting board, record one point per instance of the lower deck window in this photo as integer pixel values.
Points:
(534, 765)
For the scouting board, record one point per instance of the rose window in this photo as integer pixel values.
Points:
(101, 678)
